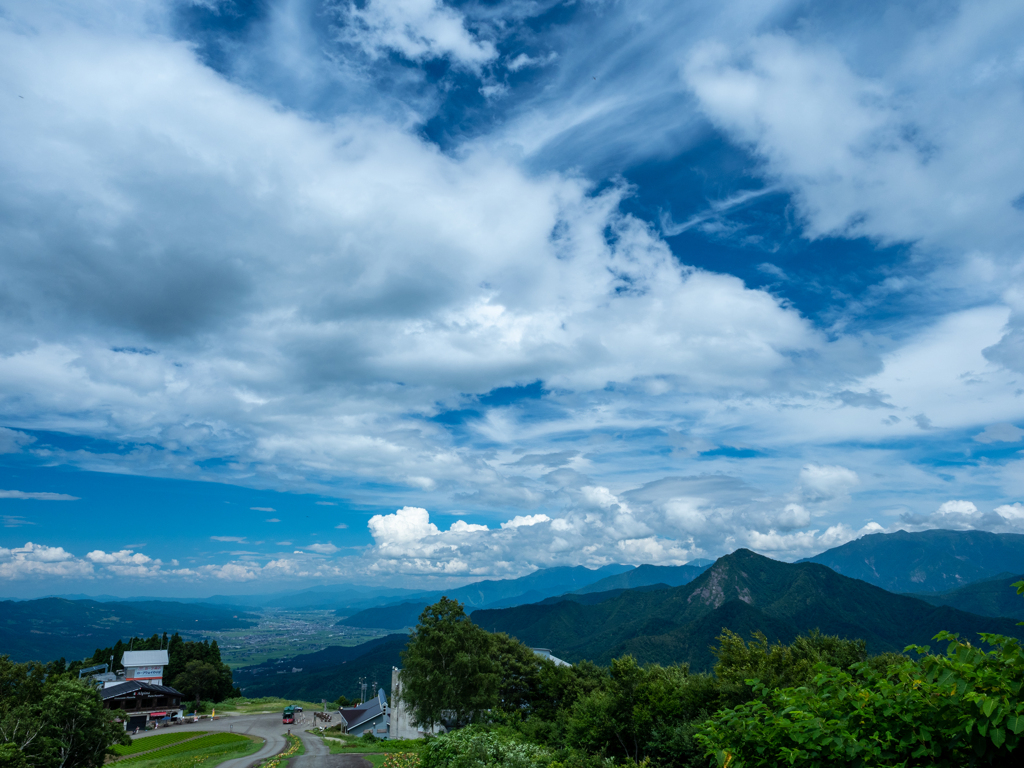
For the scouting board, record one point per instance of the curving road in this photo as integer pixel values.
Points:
(269, 728)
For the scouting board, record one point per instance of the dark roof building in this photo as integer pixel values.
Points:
(142, 702)
(371, 716)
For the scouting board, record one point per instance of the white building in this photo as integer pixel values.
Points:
(145, 666)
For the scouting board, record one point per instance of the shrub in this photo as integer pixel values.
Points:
(961, 709)
(478, 747)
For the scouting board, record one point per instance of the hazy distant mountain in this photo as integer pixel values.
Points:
(926, 561)
(49, 628)
(744, 592)
(542, 583)
(326, 674)
(646, 575)
(991, 597)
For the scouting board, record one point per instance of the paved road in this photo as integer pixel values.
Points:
(269, 727)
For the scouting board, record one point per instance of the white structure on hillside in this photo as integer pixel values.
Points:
(546, 654)
(145, 666)
(401, 725)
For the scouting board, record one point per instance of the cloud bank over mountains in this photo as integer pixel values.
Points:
(396, 253)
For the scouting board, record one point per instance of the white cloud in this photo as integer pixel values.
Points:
(327, 503)
(37, 496)
(13, 441)
(1000, 433)
(237, 539)
(123, 557)
(1012, 513)
(341, 526)
(15, 521)
(461, 526)
(418, 29)
(272, 520)
(263, 509)
(824, 483)
(523, 61)
(794, 516)
(322, 549)
(41, 561)
(521, 520)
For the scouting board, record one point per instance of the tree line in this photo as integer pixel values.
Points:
(818, 701)
(194, 666)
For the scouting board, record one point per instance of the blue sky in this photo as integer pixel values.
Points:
(419, 292)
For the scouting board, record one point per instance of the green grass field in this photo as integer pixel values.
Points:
(246, 706)
(228, 742)
(341, 745)
(207, 752)
(152, 742)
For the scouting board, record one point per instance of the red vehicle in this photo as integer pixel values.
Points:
(289, 716)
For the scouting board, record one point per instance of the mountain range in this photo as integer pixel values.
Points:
(926, 561)
(52, 627)
(744, 592)
(538, 585)
(990, 597)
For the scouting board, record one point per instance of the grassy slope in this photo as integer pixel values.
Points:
(198, 754)
(744, 592)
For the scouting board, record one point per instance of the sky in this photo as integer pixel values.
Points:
(416, 292)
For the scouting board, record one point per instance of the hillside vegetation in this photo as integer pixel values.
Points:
(325, 674)
(743, 592)
(991, 597)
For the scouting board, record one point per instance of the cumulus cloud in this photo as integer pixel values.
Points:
(417, 29)
(41, 561)
(826, 483)
(964, 515)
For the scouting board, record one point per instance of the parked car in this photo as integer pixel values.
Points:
(298, 709)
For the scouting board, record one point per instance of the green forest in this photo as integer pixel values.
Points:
(818, 700)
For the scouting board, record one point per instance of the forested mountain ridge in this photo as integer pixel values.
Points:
(926, 561)
(742, 592)
(646, 576)
(535, 586)
(328, 673)
(990, 597)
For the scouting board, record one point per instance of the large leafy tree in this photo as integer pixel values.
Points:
(48, 719)
(448, 674)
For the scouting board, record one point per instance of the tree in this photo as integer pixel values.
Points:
(198, 679)
(51, 720)
(448, 675)
(644, 712)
